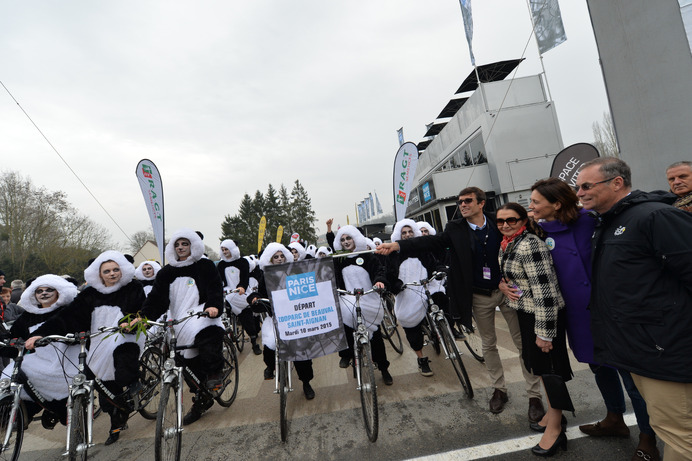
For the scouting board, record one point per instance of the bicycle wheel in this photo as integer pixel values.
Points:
(432, 336)
(368, 391)
(473, 341)
(79, 439)
(230, 374)
(238, 333)
(150, 376)
(14, 445)
(391, 332)
(283, 395)
(455, 356)
(168, 442)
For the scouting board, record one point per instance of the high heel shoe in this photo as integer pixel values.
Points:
(560, 442)
(538, 428)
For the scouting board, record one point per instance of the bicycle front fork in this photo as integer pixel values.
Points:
(80, 385)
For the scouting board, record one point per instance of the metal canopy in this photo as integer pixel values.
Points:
(452, 107)
(489, 73)
(435, 129)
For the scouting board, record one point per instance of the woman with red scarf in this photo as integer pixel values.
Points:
(527, 268)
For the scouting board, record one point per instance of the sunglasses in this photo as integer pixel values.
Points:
(510, 221)
(588, 186)
(467, 201)
(44, 290)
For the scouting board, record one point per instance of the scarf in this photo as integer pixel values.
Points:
(507, 240)
(684, 203)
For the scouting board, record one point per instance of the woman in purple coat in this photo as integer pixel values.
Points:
(569, 229)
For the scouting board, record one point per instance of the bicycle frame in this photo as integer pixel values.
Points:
(10, 387)
(360, 333)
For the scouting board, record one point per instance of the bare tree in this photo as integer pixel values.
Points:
(139, 238)
(605, 138)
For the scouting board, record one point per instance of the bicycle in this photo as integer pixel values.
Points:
(440, 333)
(473, 340)
(169, 421)
(80, 401)
(364, 367)
(12, 414)
(389, 325)
(236, 330)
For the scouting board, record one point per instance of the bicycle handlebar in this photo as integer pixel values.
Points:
(172, 322)
(359, 291)
(419, 283)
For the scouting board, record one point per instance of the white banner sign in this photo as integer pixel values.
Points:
(152, 190)
(405, 164)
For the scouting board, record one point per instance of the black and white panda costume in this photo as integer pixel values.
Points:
(311, 251)
(147, 282)
(323, 252)
(189, 286)
(50, 369)
(302, 254)
(303, 367)
(114, 359)
(235, 273)
(360, 271)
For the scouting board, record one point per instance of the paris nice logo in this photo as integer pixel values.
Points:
(620, 230)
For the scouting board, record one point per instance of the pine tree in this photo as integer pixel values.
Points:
(303, 216)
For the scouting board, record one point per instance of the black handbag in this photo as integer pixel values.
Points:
(556, 390)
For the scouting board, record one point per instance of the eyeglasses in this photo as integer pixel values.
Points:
(44, 290)
(510, 221)
(588, 186)
(467, 201)
(345, 238)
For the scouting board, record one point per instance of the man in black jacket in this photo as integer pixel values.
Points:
(473, 281)
(641, 300)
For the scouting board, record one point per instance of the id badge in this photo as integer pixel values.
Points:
(486, 273)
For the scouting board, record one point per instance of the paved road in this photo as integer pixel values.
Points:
(419, 417)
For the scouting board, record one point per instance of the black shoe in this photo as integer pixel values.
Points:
(256, 349)
(498, 401)
(344, 362)
(49, 420)
(214, 382)
(387, 378)
(114, 435)
(538, 428)
(560, 442)
(308, 390)
(458, 335)
(268, 373)
(193, 415)
(424, 366)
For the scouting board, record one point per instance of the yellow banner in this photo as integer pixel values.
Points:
(262, 230)
(279, 233)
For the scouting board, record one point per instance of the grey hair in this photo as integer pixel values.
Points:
(682, 163)
(612, 167)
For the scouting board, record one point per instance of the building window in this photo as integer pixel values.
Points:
(469, 154)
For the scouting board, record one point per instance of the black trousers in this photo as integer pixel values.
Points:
(414, 335)
(303, 367)
(209, 343)
(249, 323)
(379, 353)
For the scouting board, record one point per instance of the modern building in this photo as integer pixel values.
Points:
(501, 137)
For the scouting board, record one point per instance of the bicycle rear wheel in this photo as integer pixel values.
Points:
(168, 442)
(283, 395)
(238, 333)
(455, 356)
(14, 445)
(79, 439)
(473, 341)
(390, 331)
(230, 374)
(150, 376)
(368, 391)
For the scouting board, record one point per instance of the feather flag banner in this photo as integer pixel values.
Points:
(547, 24)
(468, 26)
(152, 189)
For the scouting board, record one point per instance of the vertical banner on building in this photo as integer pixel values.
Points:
(400, 135)
(379, 207)
(279, 234)
(405, 164)
(260, 233)
(547, 24)
(306, 309)
(371, 201)
(568, 162)
(468, 26)
(152, 190)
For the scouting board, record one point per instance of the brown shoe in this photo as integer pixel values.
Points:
(601, 429)
(498, 401)
(646, 450)
(536, 410)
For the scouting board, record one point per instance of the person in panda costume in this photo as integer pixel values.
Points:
(50, 370)
(188, 284)
(323, 252)
(311, 251)
(276, 253)
(112, 294)
(410, 304)
(146, 274)
(235, 274)
(298, 251)
(360, 271)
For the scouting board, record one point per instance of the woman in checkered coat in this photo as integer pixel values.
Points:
(527, 268)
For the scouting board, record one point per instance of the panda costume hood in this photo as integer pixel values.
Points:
(423, 224)
(66, 293)
(139, 275)
(311, 250)
(271, 249)
(232, 247)
(371, 244)
(377, 241)
(354, 233)
(252, 262)
(396, 233)
(92, 274)
(196, 248)
(299, 248)
(323, 250)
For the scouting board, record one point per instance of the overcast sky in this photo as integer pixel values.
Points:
(228, 96)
